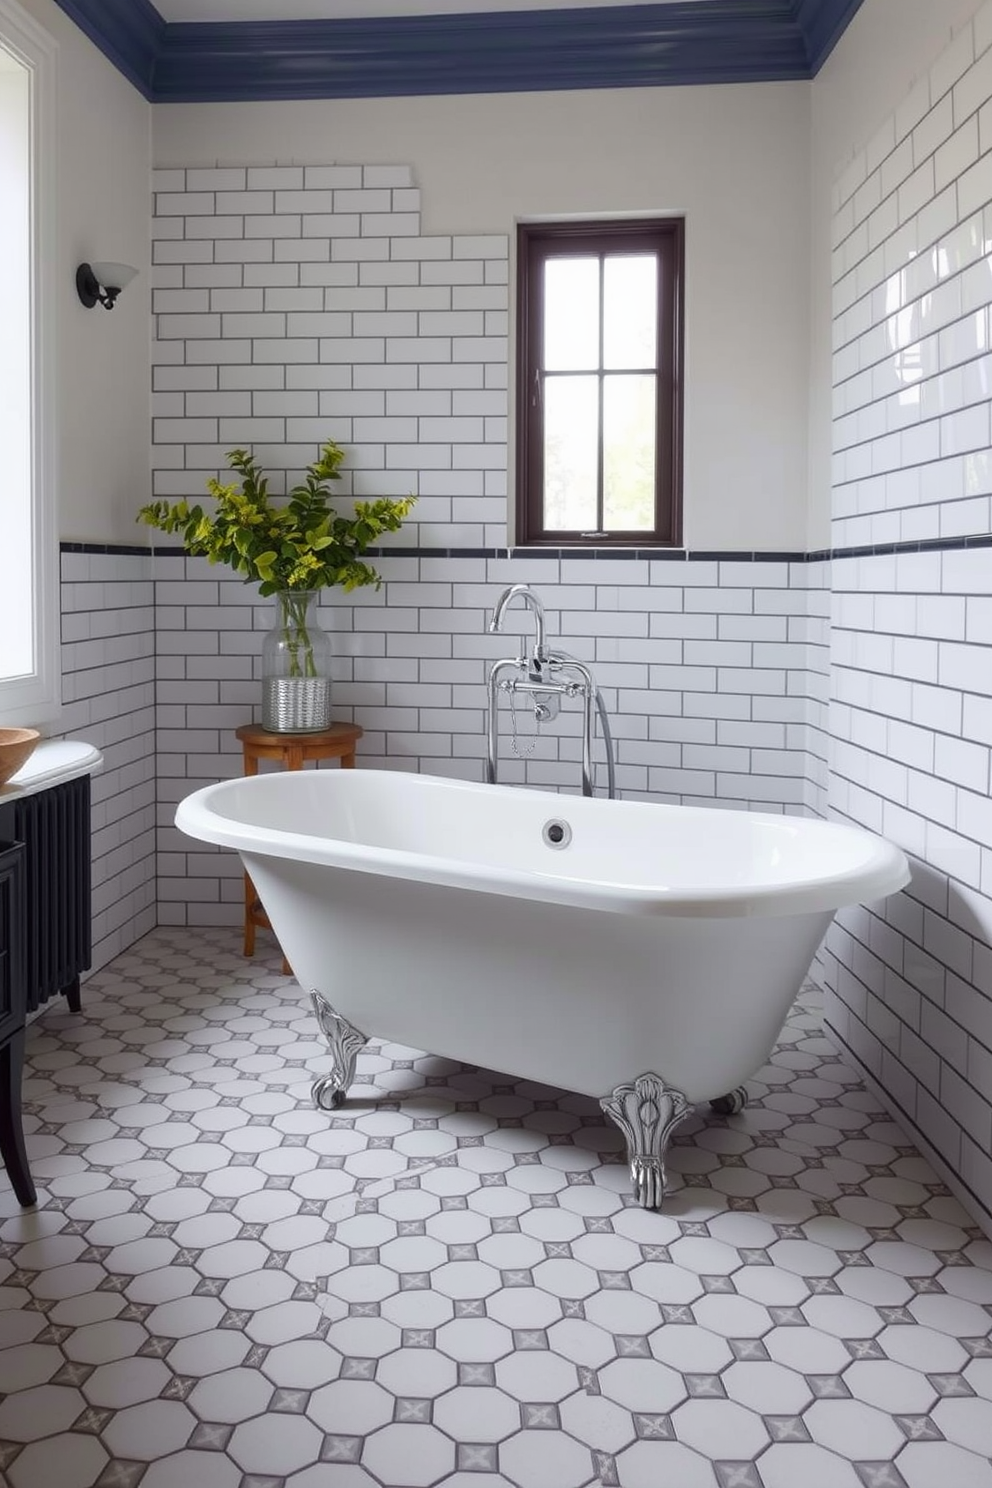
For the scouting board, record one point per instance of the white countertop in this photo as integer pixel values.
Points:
(53, 761)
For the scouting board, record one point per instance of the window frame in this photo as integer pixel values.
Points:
(536, 243)
(36, 697)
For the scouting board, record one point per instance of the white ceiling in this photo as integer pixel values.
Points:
(335, 10)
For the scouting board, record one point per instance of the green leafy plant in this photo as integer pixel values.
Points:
(302, 544)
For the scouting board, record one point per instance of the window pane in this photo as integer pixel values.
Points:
(571, 314)
(629, 441)
(17, 658)
(571, 453)
(630, 303)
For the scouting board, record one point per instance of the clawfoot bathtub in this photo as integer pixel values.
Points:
(642, 954)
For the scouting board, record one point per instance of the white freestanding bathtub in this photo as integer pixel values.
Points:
(643, 954)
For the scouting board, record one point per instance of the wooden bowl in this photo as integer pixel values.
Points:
(16, 746)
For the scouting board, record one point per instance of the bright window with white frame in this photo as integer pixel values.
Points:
(28, 594)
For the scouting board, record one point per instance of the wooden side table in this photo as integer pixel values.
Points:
(291, 751)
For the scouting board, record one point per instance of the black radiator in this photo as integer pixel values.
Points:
(54, 826)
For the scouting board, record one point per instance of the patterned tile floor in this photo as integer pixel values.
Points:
(446, 1281)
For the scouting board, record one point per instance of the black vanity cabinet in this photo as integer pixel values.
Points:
(44, 932)
(13, 1006)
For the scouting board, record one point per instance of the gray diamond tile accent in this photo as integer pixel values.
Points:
(290, 1402)
(119, 1473)
(632, 1346)
(408, 1409)
(787, 1317)
(786, 1428)
(748, 1349)
(476, 1374)
(828, 1386)
(530, 1339)
(211, 1436)
(92, 1421)
(180, 1387)
(72, 1374)
(705, 1386)
(653, 1427)
(476, 1457)
(717, 1284)
(950, 1385)
(677, 1313)
(880, 1475)
(358, 1369)
(540, 1417)
(919, 1428)
(738, 1475)
(896, 1316)
(864, 1348)
(605, 1465)
(419, 1338)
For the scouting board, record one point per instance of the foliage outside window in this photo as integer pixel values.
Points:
(599, 378)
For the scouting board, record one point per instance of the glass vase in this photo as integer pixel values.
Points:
(296, 667)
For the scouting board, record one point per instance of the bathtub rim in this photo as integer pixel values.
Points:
(884, 872)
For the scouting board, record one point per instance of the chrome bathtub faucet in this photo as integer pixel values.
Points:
(544, 676)
(538, 663)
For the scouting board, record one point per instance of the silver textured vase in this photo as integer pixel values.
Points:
(296, 667)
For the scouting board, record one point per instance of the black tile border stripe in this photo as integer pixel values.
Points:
(123, 550)
(593, 555)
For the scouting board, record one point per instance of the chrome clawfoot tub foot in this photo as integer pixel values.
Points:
(647, 1112)
(344, 1042)
(730, 1104)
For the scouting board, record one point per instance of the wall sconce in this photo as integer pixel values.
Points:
(102, 282)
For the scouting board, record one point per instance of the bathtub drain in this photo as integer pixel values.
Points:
(557, 833)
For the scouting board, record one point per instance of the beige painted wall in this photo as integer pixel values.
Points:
(886, 48)
(103, 212)
(733, 159)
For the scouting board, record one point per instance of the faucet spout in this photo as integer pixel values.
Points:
(527, 597)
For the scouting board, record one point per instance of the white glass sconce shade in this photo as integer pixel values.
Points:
(102, 282)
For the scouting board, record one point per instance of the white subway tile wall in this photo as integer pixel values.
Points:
(297, 303)
(705, 670)
(910, 982)
(108, 693)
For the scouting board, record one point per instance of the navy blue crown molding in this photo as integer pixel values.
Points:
(130, 33)
(629, 46)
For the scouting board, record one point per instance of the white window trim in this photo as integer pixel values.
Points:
(35, 700)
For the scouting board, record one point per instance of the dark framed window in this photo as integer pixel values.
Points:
(599, 382)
